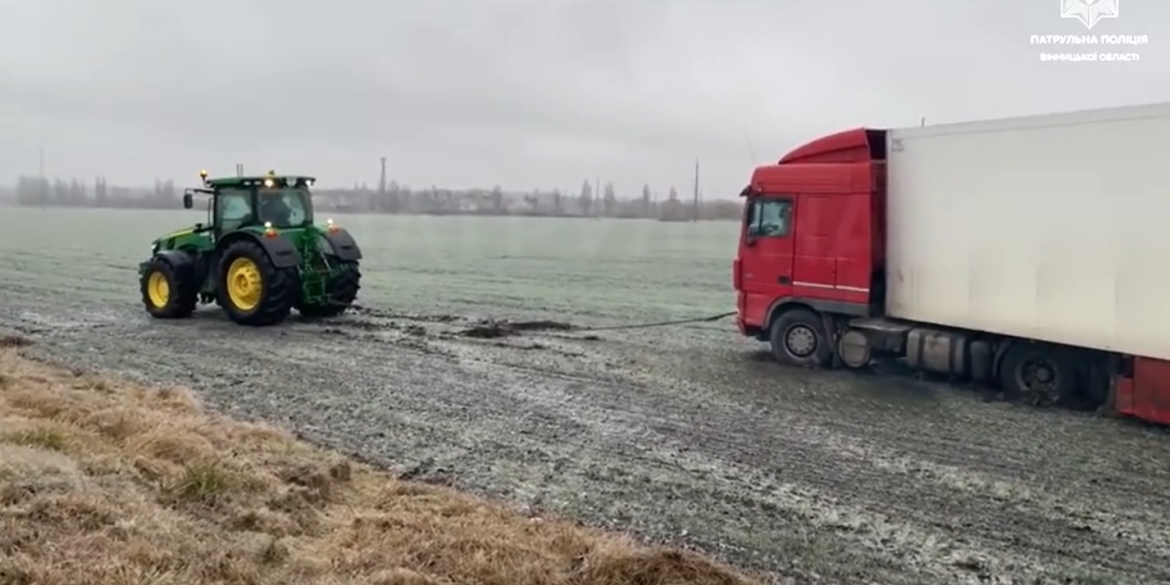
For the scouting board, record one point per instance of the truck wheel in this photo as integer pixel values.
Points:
(1039, 374)
(343, 290)
(167, 292)
(798, 338)
(251, 290)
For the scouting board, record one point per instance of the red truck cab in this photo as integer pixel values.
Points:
(812, 232)
(810, 278)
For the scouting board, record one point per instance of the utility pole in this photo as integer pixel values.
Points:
(239, 169)
(43, 188)
(382, 178)
(596, 197)
(696, 212)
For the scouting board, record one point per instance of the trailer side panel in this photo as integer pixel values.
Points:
(1053, 227)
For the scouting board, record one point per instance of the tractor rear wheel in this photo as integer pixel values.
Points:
(167, 292)
(251, 290)
(341, 293)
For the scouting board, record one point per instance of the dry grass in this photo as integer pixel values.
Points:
(106, 482)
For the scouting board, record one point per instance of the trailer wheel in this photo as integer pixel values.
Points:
(1041, 375)
(798, 338)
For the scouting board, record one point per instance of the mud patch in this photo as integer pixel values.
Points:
(497, 329)
(370, 312)
(11, 341)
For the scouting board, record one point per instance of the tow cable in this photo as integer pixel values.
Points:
(658, 323)
(493, 329)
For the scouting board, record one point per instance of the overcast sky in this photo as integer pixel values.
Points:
(522, 93)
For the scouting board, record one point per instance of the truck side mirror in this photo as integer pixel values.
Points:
(188, 201)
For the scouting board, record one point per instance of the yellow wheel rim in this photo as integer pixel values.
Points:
(244, 286)
(158, 289)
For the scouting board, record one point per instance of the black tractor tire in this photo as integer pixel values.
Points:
(168, 292)
(342, 292)
(798, 338)
(275, 289)
(1038, 374)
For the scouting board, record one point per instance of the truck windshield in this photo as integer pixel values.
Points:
(769, 217)
(285, 207)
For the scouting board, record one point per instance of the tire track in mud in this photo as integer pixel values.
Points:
(802, 474)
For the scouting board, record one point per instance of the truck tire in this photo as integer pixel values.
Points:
(798, 338)
(343, 290)
(251, 290)
(168, 292)
(1039, 374)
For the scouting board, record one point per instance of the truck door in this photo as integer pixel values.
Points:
(767, 253)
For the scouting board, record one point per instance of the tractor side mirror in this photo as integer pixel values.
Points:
(188, 200)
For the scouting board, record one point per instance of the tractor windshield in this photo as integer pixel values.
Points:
(285, 207)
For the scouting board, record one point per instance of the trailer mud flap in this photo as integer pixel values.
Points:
(833, 332)
(1145, 395)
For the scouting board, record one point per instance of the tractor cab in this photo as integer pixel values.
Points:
(267, 202)
(258, 255)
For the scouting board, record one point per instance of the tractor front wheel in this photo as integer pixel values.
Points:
(167, 292)
(341, 293)
(251, 290)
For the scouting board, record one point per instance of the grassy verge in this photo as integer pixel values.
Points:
(109, 482)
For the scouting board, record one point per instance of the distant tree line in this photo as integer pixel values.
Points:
(393, 198)
(43, 192)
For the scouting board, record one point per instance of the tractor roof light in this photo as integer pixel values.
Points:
(269, 183)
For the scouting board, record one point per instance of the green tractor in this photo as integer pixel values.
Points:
(258, 257)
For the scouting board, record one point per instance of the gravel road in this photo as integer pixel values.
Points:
(685, 435)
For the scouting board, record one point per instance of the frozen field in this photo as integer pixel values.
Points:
(687, 434)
